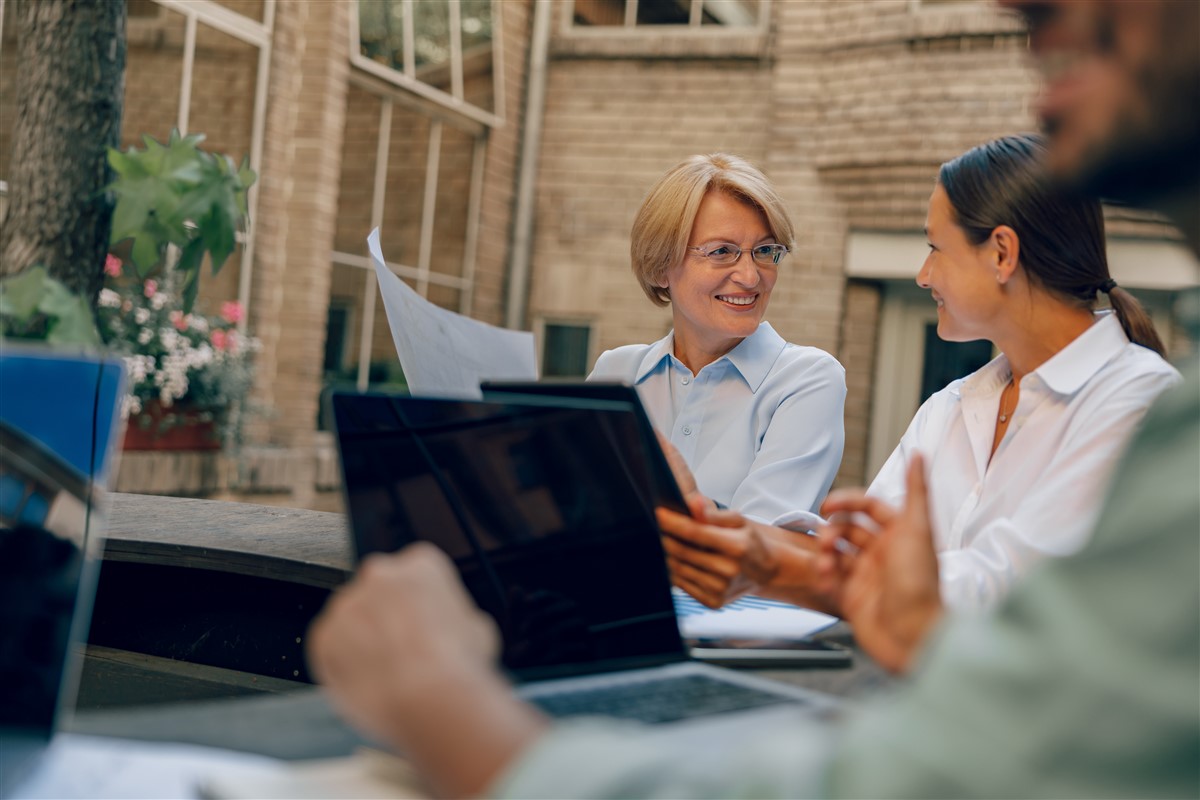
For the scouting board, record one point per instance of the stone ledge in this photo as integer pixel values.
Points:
(251, 470)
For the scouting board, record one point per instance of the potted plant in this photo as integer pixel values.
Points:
(189, 373)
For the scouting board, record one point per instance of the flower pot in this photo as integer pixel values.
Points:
(174, 428)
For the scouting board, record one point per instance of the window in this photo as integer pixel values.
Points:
(441, 50)
(422, 98)
(565, 350)
(689, 13)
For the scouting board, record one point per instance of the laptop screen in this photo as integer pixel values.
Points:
(59, 418)
(537, 506)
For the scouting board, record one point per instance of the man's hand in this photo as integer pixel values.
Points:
(407, 658)
(718, 556)
(889, 591)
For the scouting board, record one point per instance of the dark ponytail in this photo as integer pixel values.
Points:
(1003, 182)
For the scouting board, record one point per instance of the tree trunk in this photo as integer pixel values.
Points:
(70, 88)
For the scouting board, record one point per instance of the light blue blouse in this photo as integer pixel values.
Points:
(761, 427)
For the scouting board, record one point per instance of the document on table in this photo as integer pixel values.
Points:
(81, 766)
(366, 774)
(747, 618)
(444, 354)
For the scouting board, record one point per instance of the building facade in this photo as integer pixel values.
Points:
(503, 147)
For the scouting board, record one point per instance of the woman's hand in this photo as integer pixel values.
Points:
(717, 556)
(888, 590)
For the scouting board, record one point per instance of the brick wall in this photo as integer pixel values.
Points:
(612, 128)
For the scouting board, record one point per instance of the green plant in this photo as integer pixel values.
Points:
(176, 358)
(34, 305)
(178, 195)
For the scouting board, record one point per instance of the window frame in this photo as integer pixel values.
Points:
(406, 79)
(420, 272)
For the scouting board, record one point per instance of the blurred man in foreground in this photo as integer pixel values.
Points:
(1085, 683)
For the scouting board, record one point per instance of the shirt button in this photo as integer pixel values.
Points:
(687, 431)
(685, 380)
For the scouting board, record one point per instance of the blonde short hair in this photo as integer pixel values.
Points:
(663, 224)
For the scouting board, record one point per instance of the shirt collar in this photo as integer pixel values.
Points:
(753, 357)
(1070, 368)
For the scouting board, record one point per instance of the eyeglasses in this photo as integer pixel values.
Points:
(724, 254)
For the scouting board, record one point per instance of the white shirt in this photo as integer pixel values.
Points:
(1044, 487)
(761, 427)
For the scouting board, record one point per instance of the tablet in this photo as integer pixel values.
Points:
(664, 491)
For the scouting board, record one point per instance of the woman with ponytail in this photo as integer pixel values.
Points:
(1020, 452)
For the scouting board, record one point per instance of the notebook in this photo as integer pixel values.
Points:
(59, 424)
(549, 523)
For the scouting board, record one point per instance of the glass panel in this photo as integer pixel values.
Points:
(453, 193)
(247, 8)
(431, 42)
(478, 81)
(402, 209)
(381, 32)
(599, 12)
(565, 352)
(445, 296)
(947, 361)
(153, 68)
(222, 108)
(731, 13)
(476, 16)
(663, 12)
(338, 337)
(358, 175)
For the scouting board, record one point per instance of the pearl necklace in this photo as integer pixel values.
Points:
(1004, 395)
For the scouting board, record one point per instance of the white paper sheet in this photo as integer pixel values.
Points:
(79, 766)
(365, 774)
(444, 354)
(747, 618)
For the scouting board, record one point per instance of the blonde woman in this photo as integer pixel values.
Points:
(758, 420)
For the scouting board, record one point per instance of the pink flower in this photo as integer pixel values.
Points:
(231, 311)
(112, 266)
(218, 339)
(178, 320)
(151, 287)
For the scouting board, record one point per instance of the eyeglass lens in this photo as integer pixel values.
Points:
(725, 254)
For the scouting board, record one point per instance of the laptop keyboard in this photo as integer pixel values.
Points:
(662, 700)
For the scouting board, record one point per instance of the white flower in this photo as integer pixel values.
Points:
(145, 335)
(159, 300)
(141, 316)
(109, 299)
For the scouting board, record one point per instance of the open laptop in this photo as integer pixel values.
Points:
(59, 424)
(547, 519)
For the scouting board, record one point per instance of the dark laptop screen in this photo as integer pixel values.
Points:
(537, 506)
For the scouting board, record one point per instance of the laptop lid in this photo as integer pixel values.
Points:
(59, 424)
(641, 445)
(536, 503)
